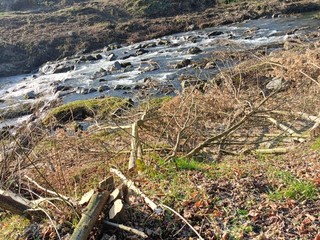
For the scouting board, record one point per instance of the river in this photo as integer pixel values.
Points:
(128, 71)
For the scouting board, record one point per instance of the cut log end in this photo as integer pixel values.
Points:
(117, 212)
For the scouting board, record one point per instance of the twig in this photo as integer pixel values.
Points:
(300, 114)
(179, 135)
(131, 185)
(128, 229)
(46, 190)
(183, 219)
(50, 219)
(312, 79)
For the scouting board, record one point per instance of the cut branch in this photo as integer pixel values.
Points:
(131, 186)
(231, 129)
(16, 204)
(272, 150)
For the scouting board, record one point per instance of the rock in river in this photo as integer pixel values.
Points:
(30, 95)
(194, 50)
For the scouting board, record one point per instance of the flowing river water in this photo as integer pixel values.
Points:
(127, 71)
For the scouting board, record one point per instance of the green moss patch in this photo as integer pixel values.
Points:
(81, 109)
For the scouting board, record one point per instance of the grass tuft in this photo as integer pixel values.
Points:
(294, 188)
(316, 144)
(12, 227)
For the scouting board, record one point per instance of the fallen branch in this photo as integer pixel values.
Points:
(89, 218)
(183, 219)
(158, 210)
(312, 79)
(271, 150)
(230, 130)
(300, 114)
(128, 229)
(16, 204)
(285, 129)
(46, 190)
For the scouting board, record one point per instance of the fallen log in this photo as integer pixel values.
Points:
(16, 204)
(89, 218)
(271, 150)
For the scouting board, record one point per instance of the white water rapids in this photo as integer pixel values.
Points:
(157, 61)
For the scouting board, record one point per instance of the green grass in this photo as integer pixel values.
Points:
(175, 184)
(189, 164)
(293, 188)
(316, 144)
(12, 227)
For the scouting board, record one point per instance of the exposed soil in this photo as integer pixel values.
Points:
(28, 39)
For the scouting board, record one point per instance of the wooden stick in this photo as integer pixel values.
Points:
(183, 219)
(89, 218)
(158, 210)
(128, 229)
(134, 146)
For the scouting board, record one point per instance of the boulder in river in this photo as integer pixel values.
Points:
(115, 66)
(141, 51)
(215, 33)
(30, 95)
(183, 63)
(111, 57)
(63, 68)
(101, 73)
(61, 88)
(60, 67)
(194, 50)
(103, 88)
(126, 65)
(121, 87)
(164, 42)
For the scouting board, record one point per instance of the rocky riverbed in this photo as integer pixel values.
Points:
(158, 67)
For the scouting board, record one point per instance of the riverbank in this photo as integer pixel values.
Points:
(29, 39)
(238, 159)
